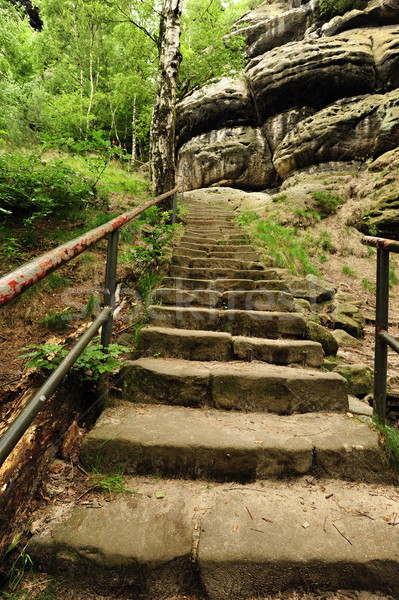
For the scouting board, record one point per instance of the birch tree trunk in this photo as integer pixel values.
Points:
(162, 136)
(134, 132)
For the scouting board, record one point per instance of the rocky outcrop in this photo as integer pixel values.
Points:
(227, 103)
(377, 12)
(311, 73)
(235, 157)
(266, 29)
(310, 95)
(346, 130)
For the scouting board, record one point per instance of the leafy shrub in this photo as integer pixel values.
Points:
(331, 8)
(157, 233)
(30, 188)
(281, 243)
(327, 203)
(93, 362)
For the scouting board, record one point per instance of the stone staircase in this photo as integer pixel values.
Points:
(252, 478)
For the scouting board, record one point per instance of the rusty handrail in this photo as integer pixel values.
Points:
(14, 283)
(382, 338)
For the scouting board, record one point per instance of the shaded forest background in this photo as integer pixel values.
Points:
(88, 74)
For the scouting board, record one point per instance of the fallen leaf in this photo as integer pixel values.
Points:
(258, 441)
(160, 495)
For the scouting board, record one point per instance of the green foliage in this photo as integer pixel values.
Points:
(157, 234)
(368, 285)
(56, 321)
(111, 484)
(325, 241)
(331, 8)
(327, 203)
(21, 562)
(390, 442)
(55, 282)
(282, 243)
(31, 189)
(348, 271)
(209, 51)
(393, 277)
(92, 363)
(280, 198)
(92, 307)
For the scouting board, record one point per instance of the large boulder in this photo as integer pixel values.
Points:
(382, 217)
(235, 157)
(275, 28)
(227, 103)
(349, 129)
(276, 128)
(312, 73)
(386, 55)
(377, 12)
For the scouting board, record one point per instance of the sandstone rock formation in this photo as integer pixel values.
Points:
(312, 93)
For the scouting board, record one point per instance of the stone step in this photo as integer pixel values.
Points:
(226, 284)
(227, 446)
(213, 240)
(238, 542)
(235, 385)
(219, 263)
(236, 253)
(217, 247)
(241, 300)
(218, 273)
(221, 346)
(212, 223)
(266, 324)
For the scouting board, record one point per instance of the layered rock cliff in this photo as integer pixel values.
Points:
(313, 93)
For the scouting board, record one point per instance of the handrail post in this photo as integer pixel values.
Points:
(110, 284)
(174, 208)
(381, 324)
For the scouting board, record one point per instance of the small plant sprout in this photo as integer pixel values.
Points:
(348, 271)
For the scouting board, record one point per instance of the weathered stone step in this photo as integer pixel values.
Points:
(219, 240)
(269, 324)
(227, 284)
(242, 300)
(218, 273)
(221, 346)
(234, 385)
(236, 253)
(214, 238)
(217, 247)
(227, 446)
(242, 542)
(220, 263)
(213, 223)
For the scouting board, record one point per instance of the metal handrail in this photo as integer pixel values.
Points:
(382, 338)
(14, 283)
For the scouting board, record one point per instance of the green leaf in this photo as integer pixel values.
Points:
(160, 495)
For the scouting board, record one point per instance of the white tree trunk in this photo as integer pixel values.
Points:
(162, 137)
(134, 132)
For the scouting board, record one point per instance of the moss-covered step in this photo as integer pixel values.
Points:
(220, 346)
(227, 446)
(255, 323)
(243, 300)
(244, 386)
(220, 263)
(223, 285)
(216, 273)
